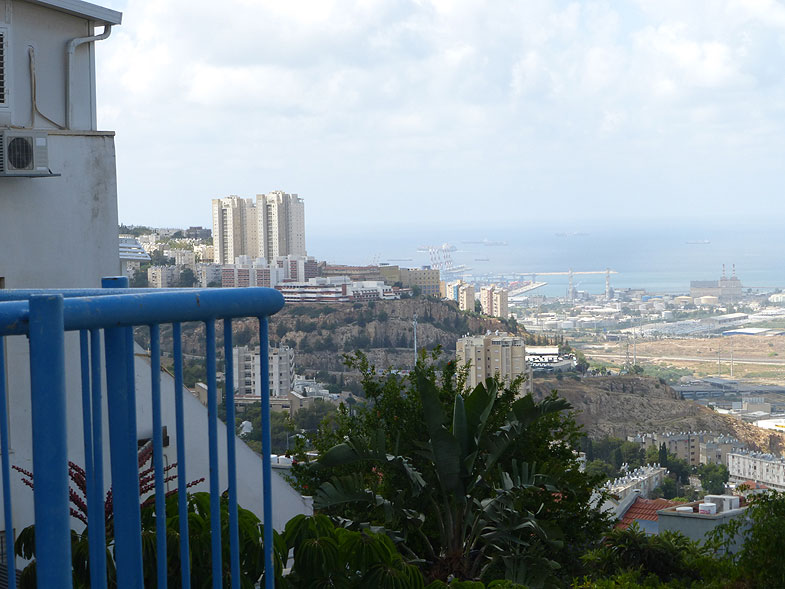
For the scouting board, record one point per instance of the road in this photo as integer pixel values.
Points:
(709, 359)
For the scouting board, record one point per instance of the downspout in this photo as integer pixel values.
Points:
(70, 48)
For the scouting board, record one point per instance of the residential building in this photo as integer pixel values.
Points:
(247, 371)
(642, 481)
(493, 301)
(761, 468)
(280, 221)
(163, 276)
(234, 228)
(644, 513)
(426, 279)
(296, 267)
(182, 257)
(698, 518)
(209, 275)
(491, 355)
(269, 226)
(466, 297)
(204, 253)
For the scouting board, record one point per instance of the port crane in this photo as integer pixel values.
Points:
(570, 273)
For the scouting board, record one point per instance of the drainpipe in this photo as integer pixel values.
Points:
(70, 48)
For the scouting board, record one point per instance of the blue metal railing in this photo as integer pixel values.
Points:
(45, 316)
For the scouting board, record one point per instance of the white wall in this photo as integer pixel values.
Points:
(48, 31)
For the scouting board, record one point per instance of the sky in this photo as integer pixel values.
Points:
(459, 113)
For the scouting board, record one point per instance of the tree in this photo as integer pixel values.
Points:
(450, 474)
(663, 455)
(759, 561)
(139, 279)
(713, 478)
(310, 418)
(187, 278)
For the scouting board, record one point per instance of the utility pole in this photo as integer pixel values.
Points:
(731, 354)
(415, 339)
(719, 368)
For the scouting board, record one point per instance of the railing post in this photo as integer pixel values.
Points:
(267, 470)
(50, 442)
(8, 519)
(121, 404)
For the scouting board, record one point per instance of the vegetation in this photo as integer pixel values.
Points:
(473, 485)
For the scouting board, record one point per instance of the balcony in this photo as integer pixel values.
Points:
(104, 320)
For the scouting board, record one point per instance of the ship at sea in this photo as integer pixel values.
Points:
(698, 242)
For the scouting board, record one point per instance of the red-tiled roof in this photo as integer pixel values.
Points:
(644, 509)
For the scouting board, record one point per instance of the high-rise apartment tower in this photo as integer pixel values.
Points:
(273, 225)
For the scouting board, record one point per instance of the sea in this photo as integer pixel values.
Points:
(661, 257)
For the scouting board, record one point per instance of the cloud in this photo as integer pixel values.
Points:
(354, 104)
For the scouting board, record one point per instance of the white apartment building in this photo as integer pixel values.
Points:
(466, 297)
(208, 274)
(281, 224)
(182, 257)
(163, 276)
(296, 267)
(271, 226)
(247, 370)
(234, 228)
(494, 301)
(491, 355)
(754, 466)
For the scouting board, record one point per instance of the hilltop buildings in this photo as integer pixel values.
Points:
(269, 226)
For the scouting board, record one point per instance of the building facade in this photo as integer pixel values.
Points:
(466, 297)
(761, 468)
(247, 371)
(234, 228)
(490, 355)
(494, 301)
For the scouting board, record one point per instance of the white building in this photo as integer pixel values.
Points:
(281, 224)
(643, 480)
(247, 370)
(466, 297)
(761, 468)
(271, 226)
(491, 355)
(163, 276)
(208, 274)
(494, 301)
(234, 228)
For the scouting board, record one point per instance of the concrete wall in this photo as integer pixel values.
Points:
(62, 231)
(47, 31)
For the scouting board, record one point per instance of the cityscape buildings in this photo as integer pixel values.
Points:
(270, 226)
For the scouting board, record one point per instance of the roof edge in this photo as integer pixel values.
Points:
(92, 12)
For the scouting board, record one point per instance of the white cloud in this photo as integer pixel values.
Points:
(355, 102)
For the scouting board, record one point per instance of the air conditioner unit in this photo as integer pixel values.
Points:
(24, 153)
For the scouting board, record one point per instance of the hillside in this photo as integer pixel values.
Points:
(625, 405)
(321, 333)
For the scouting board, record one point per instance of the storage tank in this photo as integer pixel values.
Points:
(707, 508)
